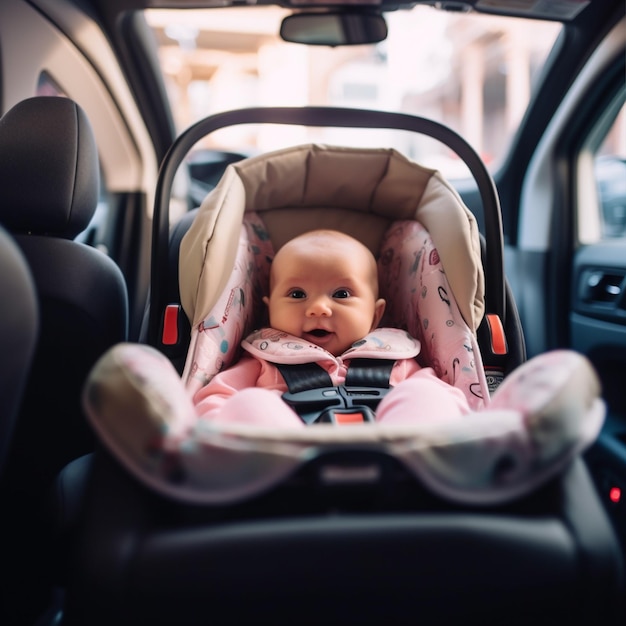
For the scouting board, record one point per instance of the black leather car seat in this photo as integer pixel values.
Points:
(19, 327)
(49, 176)
(50, 181)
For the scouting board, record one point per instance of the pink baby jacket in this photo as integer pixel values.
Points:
(268, 346)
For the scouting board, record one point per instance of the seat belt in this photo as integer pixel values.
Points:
(312, 395)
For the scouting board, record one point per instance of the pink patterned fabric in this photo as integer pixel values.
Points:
(277, 346)
(215, 343)
(419, 300)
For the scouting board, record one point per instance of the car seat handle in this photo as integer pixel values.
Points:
(495, 295)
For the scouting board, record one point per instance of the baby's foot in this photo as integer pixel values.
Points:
(137, 404)
(558, 394)
(544, 414)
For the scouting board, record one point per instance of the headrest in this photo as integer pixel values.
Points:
(356, 190)
(49, 170)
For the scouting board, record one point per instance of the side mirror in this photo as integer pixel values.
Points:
(335, 28)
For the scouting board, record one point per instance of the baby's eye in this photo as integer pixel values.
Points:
(297, 294)
(341, 293)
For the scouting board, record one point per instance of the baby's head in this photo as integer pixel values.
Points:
(324, 289)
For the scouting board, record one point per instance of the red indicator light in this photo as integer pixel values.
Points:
(615, 494)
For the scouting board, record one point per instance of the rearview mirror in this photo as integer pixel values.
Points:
(336, 28)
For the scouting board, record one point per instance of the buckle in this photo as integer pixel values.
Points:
(353, 415)
(337, 405)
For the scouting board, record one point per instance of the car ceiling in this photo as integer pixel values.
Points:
(564, 10)
(120, 20)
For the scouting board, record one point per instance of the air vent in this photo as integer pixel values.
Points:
(603, 287)
(601, 293)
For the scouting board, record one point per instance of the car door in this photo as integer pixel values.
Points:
(598, 298)
(570, 259)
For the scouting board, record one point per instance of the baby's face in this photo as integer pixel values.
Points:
(326, 297)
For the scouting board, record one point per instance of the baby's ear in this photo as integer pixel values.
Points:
(266, 300)
(379, 309)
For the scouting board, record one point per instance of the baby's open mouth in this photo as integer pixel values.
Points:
(319, 332)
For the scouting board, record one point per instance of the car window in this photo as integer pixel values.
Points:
(474, 73)
(610, 178)
(601, 177)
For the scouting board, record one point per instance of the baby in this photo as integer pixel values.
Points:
(324, 307)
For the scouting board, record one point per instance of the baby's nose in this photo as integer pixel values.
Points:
(319, 306)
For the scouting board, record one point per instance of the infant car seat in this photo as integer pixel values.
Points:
(330, 525)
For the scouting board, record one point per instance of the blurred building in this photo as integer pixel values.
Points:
(474, 75)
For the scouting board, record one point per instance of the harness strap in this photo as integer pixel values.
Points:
(369, 373)
(314, 398)
(304, 376)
